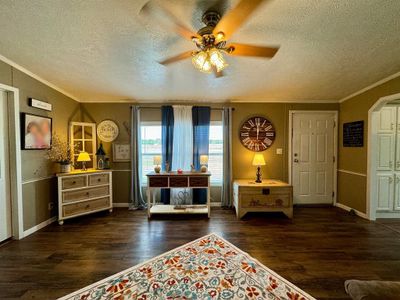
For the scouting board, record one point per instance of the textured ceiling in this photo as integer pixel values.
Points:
(104, 51)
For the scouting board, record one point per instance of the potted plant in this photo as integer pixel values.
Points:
(60, 152)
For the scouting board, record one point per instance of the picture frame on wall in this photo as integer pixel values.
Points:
(121, 152)
(36, 132)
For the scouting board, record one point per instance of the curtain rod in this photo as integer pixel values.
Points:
(155, 107)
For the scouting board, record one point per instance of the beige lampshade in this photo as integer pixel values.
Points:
(203, 159)
(83, 156)
(157, 160)
(258, 160)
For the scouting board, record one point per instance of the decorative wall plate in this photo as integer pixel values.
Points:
(107, 131)
(257, 134)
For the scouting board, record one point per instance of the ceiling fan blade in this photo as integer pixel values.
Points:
(236, 17)
(151, 9)
(176, 58)
(250, 50)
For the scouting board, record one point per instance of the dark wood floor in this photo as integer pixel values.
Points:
(317, 251)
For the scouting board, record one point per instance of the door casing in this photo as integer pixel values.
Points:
(335, 114)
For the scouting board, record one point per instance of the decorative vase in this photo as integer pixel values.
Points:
(157, 169)
(65, 168)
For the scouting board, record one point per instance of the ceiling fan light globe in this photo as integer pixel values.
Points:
(201, 62)
(217, 59)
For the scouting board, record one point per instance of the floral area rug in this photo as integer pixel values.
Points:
(207, 268)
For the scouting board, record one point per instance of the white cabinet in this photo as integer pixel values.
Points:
(385, 191)
(386, 146)
(388, 159)
(387, 119)
(397, 192)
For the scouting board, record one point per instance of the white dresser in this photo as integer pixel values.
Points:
(83, 192)
(268, 196)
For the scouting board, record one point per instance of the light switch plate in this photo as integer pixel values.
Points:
(279, 151)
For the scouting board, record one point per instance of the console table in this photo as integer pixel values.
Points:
(171, 180)
(270, 195)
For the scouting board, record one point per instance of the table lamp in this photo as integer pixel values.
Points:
(83, 157)
(157, 163)
(203, 163)
(258, 161)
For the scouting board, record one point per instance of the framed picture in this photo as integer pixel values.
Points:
(121, 152)
(36, 132)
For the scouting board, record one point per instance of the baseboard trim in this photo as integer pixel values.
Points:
(39, 226)
(347, 208)
(118, 204)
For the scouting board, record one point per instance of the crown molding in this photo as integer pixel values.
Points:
(378, 83)
(37, 77)
(330, 101)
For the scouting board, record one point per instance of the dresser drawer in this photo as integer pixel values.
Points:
(73, 182)
(253, 201)
(266, 190)
(158, 181)
(99, 179)
(179, 181)
(199, 181)
(87, 206)
(85, 194)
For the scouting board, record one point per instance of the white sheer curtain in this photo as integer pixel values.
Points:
(182, 153)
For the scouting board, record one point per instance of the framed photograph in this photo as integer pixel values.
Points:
(36, 132)
(121, 152)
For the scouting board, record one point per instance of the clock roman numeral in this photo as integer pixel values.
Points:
(251, 123)
(244, 134)
(267, 141)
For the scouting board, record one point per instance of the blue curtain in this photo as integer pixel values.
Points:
(201, 134)
(167, 134)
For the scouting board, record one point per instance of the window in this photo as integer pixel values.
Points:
(150, 146)
(216, 151)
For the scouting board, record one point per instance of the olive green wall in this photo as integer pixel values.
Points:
(39, 185)
(352, 188)
(276, 165)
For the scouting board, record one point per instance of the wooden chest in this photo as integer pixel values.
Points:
(270, 195)
(83, 192)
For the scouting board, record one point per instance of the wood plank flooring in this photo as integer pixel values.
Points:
(318, 250)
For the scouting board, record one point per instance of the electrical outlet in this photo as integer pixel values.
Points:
(279, 151)
(50, 205)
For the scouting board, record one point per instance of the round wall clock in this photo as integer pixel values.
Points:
(257, 134)
(107, 131)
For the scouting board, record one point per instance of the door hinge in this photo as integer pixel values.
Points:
(334, 159)
(333, 194)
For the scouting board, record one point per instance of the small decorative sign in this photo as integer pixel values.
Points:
(121, 152)
(40, 104)
(107, 131)
(353, 134)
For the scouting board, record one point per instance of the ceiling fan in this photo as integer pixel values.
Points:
(211, 40)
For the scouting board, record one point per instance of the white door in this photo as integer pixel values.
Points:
(5, 200)
(384, 191)
(313, 157)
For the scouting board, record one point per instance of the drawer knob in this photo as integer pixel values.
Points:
(73, 182)
(87, 193)
(99, 180)
(87, 206)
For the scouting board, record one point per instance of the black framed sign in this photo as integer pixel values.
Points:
(353, 134)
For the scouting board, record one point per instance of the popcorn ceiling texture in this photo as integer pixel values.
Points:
(104, 51)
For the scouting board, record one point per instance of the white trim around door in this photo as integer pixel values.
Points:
(15, 160)
(335, 144)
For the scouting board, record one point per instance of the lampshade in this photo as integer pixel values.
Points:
(83, 156)
(157, 160)
(258, 160)
(217, 59)
(202, 62)
(203, 159)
